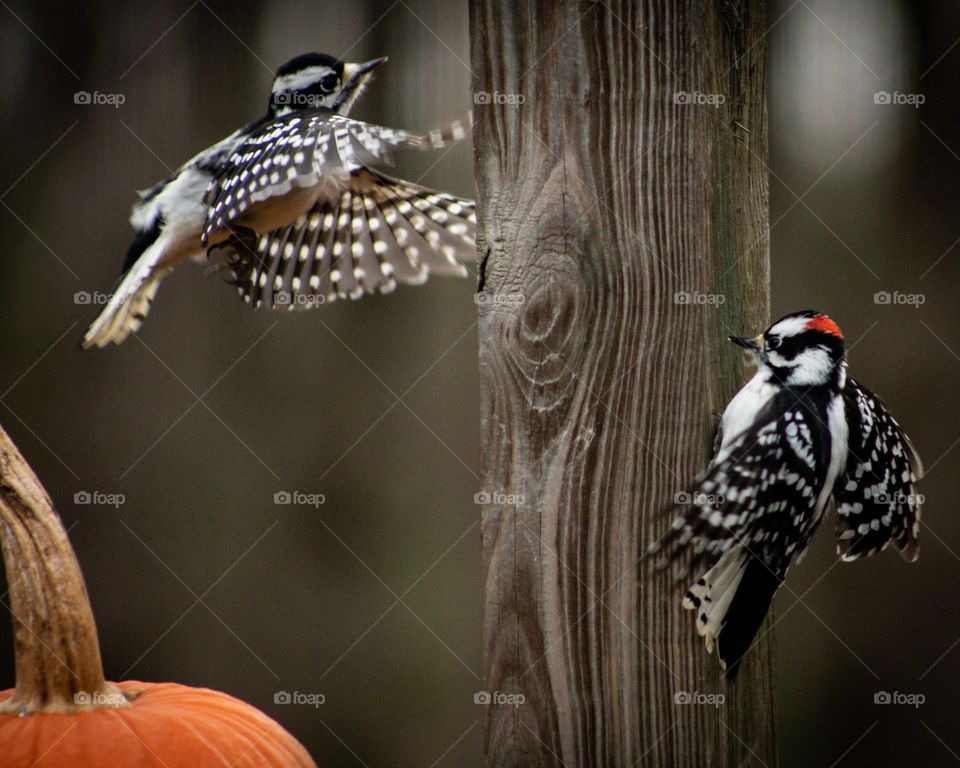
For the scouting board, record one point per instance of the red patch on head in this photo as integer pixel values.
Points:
(823, 324)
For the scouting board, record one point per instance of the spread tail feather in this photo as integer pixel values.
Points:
(122, 316)
(130, 300)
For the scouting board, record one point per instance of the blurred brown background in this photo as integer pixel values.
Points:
(373, 598)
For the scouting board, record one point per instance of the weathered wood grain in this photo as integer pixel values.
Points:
(600, 199)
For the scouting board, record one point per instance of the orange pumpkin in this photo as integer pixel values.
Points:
(166, 726)
(62, 713)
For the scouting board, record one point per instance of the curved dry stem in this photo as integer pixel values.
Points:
(58, 667)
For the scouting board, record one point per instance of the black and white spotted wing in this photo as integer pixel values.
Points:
(316, 149)
(379, 232)
(761, 492)
(875, 497)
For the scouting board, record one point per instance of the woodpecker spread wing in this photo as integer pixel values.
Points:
(379, 232)
(764, 484)
(746, 517)
(875, 497)
(313, 150)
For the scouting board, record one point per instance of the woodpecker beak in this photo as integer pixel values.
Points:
(353, 71)
(751, 345)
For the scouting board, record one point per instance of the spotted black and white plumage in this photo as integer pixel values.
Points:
(876, 499)
(380, 232)
(800, 434)
(297, 175)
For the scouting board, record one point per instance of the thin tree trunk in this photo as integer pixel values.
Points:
(602, 197)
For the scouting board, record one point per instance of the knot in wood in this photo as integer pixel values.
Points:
(547, 338)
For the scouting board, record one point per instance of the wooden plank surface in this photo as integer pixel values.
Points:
(605, 199)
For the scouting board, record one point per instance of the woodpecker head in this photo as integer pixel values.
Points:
(316, 80)
(802, 349)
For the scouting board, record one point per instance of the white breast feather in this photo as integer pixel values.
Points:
(742, 411)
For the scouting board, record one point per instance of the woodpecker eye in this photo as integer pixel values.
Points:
(328, 83)
(773, 342)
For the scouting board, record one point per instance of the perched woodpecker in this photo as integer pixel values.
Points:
(292, 209)
(799, 434)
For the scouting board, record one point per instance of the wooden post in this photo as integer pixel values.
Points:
(620, 164)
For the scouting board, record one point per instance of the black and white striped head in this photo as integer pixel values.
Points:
(315, 80)
(802, 349)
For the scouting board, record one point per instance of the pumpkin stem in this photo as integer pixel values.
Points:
(57, 654)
